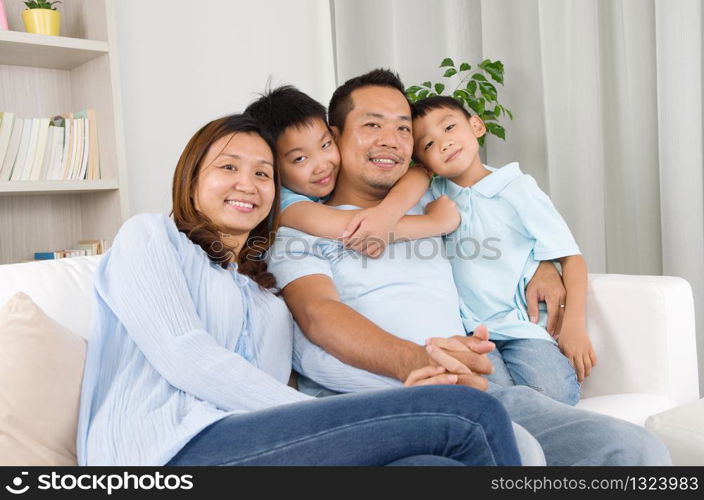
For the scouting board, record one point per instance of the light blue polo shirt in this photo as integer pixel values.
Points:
(408, 291)
(417, 270)
(508, 226)
(289, 197)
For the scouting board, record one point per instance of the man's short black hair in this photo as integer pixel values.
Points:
(425, 106)
(284, 107)
(341, 102)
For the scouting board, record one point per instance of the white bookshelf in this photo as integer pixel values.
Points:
(43, 76)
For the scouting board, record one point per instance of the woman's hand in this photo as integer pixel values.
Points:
(546, 286)
(464, 356)
(575, 345)
(369, 231)
(430, 375)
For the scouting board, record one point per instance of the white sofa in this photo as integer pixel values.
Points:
(642, 328)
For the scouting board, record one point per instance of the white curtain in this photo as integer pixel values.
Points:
(607, 98)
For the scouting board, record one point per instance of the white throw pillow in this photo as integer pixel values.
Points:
(41, 367)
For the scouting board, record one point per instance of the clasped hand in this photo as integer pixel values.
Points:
(457, 360)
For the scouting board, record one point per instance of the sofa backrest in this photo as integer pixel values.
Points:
(62, 288)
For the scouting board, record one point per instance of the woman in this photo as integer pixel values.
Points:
(190, 352)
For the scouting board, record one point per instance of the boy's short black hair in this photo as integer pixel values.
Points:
(284, 107)
(341, 102)
(425, 106)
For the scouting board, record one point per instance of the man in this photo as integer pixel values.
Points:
(367, 320)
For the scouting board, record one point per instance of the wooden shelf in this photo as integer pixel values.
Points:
(42, 76)
(44, 51)
(56, 187)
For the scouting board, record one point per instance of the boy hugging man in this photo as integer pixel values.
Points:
(503, 204)
(509, 208)
(309, 161)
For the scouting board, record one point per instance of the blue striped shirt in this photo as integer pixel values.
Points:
(177, 343)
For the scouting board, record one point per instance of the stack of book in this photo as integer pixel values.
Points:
(51, 149)
(83, 248)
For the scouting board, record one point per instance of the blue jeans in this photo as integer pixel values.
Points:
(538, 364)
(529, 449)
(567, 435)
(570, 436)
(440, 425)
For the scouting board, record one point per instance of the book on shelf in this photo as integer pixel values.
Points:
(81, 249)
(63, 147)
(78, 148)
(26, 168)
(6, 121)
(40, 150)
(12, 148)
(68, 148)
(18, 162)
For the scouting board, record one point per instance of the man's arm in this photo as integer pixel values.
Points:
(356, 341)
(346, 334)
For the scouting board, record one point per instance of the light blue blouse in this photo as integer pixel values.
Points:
(177, 343)
(508, 226)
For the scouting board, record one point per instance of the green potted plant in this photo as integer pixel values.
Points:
(41, 17)
(474, 90)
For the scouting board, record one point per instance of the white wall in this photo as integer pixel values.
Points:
(186, 63)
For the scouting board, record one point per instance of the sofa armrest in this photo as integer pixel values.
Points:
(642, 328)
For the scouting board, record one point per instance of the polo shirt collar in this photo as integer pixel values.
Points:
(493, 184)
(490, 185)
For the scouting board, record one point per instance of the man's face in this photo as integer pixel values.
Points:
(377, 143)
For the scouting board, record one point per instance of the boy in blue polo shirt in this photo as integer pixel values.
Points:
(308, 160)
(508, 226)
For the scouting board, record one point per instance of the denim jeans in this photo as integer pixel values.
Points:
(538, 364)
(570, 436)
(528, 447)
(567, 435)
(441, 425)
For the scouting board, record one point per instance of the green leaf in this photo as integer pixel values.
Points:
(412, 89)
(477, 104)
(439, 87)
(432, 94)
(423, 94)
(488, 91)
(494, 68)
(486, 62)
(459, 95)
(450, 72)
(479, 77)
(498, 109)
(496, 73)
(496, 129)
(426, 84)
(480, 140)
(447, 62)
(465, 67)
(508, 112)
(472, 87)
(489, 116)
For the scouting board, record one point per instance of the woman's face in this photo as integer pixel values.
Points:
(235, 185)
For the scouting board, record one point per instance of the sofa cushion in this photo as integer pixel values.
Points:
(63, 288)
(41, 367)
(682, 430)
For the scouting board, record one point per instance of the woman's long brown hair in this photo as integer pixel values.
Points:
(199, 228)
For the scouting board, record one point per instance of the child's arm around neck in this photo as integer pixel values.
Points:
(360, 229)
